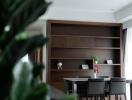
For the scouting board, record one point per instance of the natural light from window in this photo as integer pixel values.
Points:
(128, 59)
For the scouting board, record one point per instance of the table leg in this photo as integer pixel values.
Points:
(74, 87)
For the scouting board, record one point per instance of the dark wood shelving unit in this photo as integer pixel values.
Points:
(75, 43)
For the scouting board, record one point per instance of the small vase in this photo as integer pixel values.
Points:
(94, 75)
(96, 62)
(59, 65)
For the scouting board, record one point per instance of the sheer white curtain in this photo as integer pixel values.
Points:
(128, 59)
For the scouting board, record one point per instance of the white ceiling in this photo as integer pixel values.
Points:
(94, 5)
(87, 10)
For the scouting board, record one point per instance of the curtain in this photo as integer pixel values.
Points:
(128, 59)
(36, 56)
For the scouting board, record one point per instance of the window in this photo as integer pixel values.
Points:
(128, 59)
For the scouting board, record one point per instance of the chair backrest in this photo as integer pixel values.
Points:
(67, 86)
(117, 86)
(96, 87)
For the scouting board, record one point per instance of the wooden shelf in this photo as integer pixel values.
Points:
(71, 70)
(101, 37)
(72, 58)
(108, 64)
(109, 48)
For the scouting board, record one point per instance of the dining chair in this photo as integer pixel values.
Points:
(106, 82)
(82, 89)
(67, 87)
(96, 89)
(117, 86)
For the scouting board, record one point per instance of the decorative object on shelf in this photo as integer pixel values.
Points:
(94, 75)
(109, 61)
(85, 66)
(59, 65)
(96, 60)
(96, 70)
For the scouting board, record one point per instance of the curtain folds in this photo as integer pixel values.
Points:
(128, 54)
(128, 59)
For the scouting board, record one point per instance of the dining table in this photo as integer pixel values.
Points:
(75, 80)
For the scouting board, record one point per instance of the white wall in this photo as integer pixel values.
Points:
(79, 15)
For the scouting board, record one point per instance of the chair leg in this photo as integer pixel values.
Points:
(102, 98)
(125, 96)
(120, 97)
(109, 97)
(90, 98)
(95, 98)
(116, 97)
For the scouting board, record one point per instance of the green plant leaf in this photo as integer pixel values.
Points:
(22, 79)
(9, 57)
(69, 97)
(39, 92)
(27, 12)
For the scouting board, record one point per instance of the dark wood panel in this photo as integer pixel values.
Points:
(78, 42)
(107, 42)
(59, 75)
(71, 63)
(58, 85)
(117, 71)
(87, 53)
(84, 23)
(68, 42)
(107, 71)
(66, 29)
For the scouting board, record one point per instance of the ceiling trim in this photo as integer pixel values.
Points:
(124, 14)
